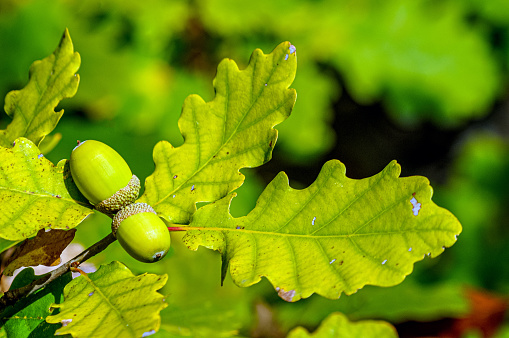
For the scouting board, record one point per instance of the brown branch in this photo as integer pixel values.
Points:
(12, 296)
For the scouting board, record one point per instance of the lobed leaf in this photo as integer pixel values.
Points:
(335, 236)
(32, 108)
(111, 302)
(233, 131)
(34, 194)
(337, 325)
(43, 249)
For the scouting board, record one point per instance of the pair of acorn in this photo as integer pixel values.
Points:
(106, 180)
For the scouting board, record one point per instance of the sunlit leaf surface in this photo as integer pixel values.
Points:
(111, 301)
(35, 194)
(233, 131)
(335, 236)
(32, 108)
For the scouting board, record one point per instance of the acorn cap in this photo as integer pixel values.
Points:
(130, 210)
(122, 197)
(141, 232)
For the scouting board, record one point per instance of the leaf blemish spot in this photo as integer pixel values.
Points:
(66, 322)
(286, 295)
(410, 249)
(148, 333)
(416, 206)
(293, 49)
(332, 261)
(40, 156)
(192, 188)
(385, 261)
(174, 177)
(313, 221)
(91, 293)
(286, 57)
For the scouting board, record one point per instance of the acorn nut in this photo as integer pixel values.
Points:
(103, 176)
(141, 232)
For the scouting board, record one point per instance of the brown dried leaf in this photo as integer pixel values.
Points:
(43, 249)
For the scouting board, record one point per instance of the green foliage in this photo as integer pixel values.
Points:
(199, 306)
(335, 236)
(478, 195)
(337, 325)
(403, 302)
(32, 108)
(420, 61)
(233, 131)
(111, 300)
(27, 317)
(35, 194)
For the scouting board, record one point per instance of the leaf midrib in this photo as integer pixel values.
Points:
(345, 236)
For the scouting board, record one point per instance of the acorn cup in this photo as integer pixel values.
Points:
(103, 176)
(141, 232)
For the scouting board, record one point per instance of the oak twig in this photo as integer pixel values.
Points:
(12, 296)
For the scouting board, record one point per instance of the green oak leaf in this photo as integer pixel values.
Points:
(335, 236)
(35, 194)
(111, 301)
(26, 318)
(337, 325)
(32, 108)
(233, 131)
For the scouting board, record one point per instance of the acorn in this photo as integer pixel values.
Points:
(141, 232)
(103, 176)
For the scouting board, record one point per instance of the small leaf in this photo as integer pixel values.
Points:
(43, 249)
(233, 131)
(32, 108)
(26, 318)
(337, 325)
(111, 301)
(335, 236)
(34, 194)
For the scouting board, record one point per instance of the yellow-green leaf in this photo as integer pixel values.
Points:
(335, 236)
(111, 302)
(32, 108)
(233, 131)
(337, 326)
(34, 194)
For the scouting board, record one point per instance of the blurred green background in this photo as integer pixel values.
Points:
(422, 82)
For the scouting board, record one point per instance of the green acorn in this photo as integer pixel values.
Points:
(141, 232)
(103, 176)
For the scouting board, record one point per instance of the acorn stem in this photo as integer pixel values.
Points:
(178, 228)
